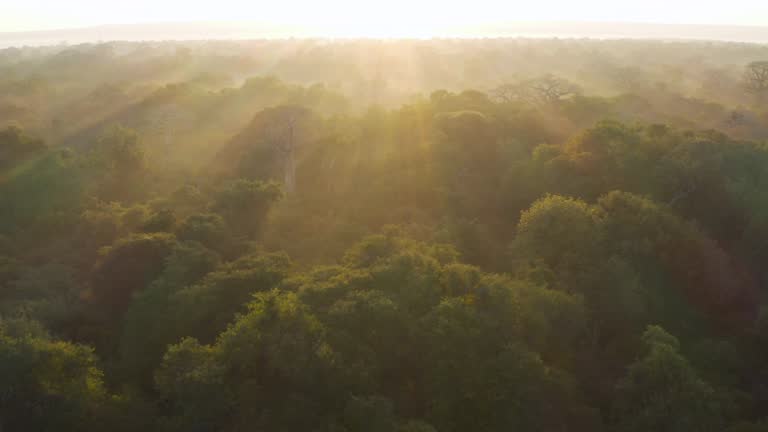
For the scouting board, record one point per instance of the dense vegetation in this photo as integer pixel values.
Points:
(440, 236)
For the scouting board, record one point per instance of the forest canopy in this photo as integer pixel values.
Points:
(384, 235)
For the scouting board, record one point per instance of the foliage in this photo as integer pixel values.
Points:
(127, 267)
(356, 238)
(244, 204)
(47, 384)
(15, 146)
(660, 383)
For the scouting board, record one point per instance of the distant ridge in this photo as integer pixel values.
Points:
(255, 30)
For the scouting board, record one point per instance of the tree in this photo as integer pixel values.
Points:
(207, 228)
(372, 413)
(16, 145)
(123, 160)
(286, 139)
(48, 385)
(244, 204)
(128, 267)
(162, 221)
(700, 275)
(662, 392)
(562, 233)
(267, 148)
(47, 293)
(148, 326)
(166, 120)
(204, 309)
(278, 346)
(745, 426)
(756, 79)
(544, 90)
(478, 379)
(122, 150)
(470, 160)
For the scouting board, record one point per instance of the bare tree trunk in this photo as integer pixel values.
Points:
(290, 173)
(290, 162)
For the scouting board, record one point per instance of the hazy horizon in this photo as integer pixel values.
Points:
(243, 30)
(43, 22)
(396, 18)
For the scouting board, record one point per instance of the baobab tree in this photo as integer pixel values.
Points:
(756, 79)
(545, 90)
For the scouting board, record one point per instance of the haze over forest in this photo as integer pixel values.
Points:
(383, 218)
(257, 30)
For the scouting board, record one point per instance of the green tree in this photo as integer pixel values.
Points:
(207, 228)
(148, 327)
(127, 267)
(563, 234)
(48, 385)
(16, 145)
(756, 79)
(162, 221)
(244, 205)
(663, 392)
(272, 368)
(204, 309)
(121, 156)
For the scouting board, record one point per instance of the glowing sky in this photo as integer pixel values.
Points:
(373, 17)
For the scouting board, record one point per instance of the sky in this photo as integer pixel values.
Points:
(373, 17)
